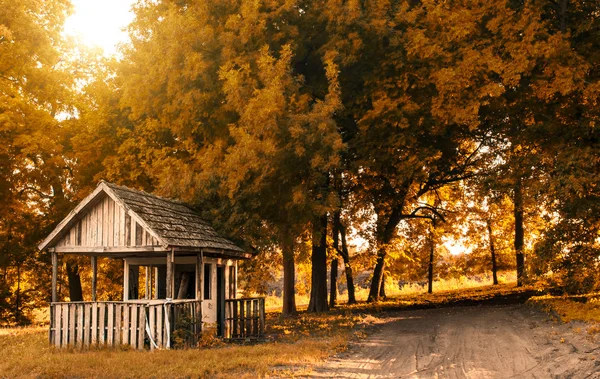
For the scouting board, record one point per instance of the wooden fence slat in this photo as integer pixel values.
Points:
(255, 317)
(65, 325)
(191, 314)
(118, 318)
(87, 322)
(262, 317)
(242, 319)
(111, 324)
(227, 332)
(72, 308)
(152, 325)
(248, 318)
(159, 326)
(102, 324)
(94, 323)
(125, 324)
(57, 323)
(167, 325)
(235, 319)
(141, 327)
(134, 324)
(80, 310)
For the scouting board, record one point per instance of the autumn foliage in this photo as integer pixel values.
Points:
(296, 126)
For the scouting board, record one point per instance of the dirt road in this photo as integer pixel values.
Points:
(514, 341)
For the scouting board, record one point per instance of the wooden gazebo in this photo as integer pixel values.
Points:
(190, 271)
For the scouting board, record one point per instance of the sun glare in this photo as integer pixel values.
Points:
(455, 247)
(100, 23)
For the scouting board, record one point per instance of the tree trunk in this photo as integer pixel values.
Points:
(347, 267)
(382, 294)
(318, 290)
(335, 231)
(385, 232)
(519, 234)
(183, 285)
(333, 288)
(134, 282)
(493, 252)
(563, 15)
(431, 254)
(289, 276)
(18, 295)
(377, 276)
(75, 290)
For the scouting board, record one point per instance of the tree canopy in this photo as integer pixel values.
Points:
(293, 125)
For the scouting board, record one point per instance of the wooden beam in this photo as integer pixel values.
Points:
(199, 275)
(219, 253)
(125, 280)
(94, 276)
(54, 276)
(100, 250)
(171, 274)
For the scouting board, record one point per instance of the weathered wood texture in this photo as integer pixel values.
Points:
(106, 224)
(84, 324)
(115, 218)
(244, 318)
(173, 221)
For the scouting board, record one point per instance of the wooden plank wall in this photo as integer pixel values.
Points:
(85, 324)
(244, 318)
(107, 224)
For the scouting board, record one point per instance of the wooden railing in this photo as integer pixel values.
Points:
(153, 323)
(244, 318)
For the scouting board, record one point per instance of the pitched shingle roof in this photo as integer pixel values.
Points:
(173, 221)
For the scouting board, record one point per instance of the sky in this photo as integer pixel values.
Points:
(99, 23)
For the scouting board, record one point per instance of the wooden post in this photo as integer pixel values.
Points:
(199, 293)
(54, 276)
(125, 280)
(235, 280)
(170, 274)
(94, 276)
(199, 276)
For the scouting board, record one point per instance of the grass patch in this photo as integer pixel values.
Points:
(409, 290)
(297, 344)
(572, 308)
(506, 293)
(28, 355)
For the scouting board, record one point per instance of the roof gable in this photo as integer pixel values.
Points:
(163, 222)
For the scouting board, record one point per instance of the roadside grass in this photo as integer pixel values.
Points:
(296, 344)
(273, 302)
(572, 308)
(28, 355)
